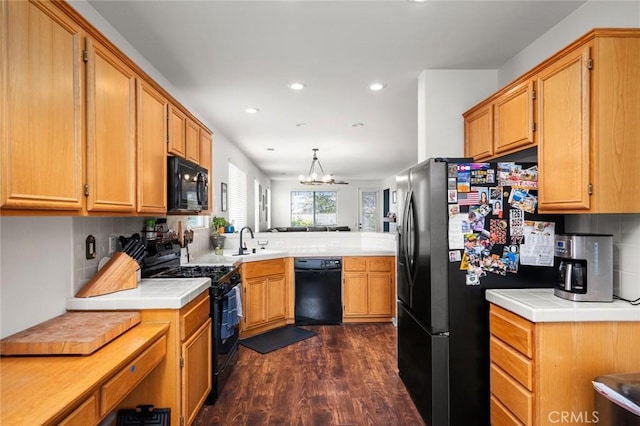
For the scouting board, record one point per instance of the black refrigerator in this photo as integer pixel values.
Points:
(463, 228)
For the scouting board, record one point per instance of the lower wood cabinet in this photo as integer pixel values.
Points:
(542, 371)
(265, 298)
(183, 380)
(368, 288)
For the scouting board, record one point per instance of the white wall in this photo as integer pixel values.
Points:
(347, 201)
(36, 270)
(443, 95)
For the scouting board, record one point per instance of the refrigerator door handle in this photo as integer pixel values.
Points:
(411, 239)
(414, 240)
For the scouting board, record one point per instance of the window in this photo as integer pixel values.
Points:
(314, 208)
(237, 197)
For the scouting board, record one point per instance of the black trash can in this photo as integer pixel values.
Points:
(617, 399)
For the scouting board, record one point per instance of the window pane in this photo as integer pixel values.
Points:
(325, 208)
(314, 208)
(301, 208)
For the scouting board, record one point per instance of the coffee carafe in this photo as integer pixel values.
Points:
(585, 272)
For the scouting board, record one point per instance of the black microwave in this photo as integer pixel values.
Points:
(187, 186)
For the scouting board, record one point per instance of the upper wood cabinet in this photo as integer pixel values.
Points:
(41, 108)
(513, 119)
(502, 124)
(111, 139)
(563, 152)
(478, 132)
(589, 110)
(581, 109)
(192, 142)
(177, 144)
(83, 128)
(152, 156)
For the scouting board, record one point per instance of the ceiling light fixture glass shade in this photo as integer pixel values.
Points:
(376, 87)
(314, 178)
(297, 86)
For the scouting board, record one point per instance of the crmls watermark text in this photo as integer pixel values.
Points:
(573, 417)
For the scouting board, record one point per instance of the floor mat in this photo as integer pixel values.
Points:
(276, 339)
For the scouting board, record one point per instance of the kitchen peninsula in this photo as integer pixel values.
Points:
(545, 351)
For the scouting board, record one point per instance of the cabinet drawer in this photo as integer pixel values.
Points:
(381, 264)
(512, 329)
(501, 416)
(263, 268)
(85, 414)
(516, 398)
(128, 378)
(195, 316)
(512, 362)
(354, 264)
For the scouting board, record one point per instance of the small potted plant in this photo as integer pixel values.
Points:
(217, 230)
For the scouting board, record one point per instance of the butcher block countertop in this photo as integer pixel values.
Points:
(151, 293)
(39, 390)
(541, 305)
(72, 333)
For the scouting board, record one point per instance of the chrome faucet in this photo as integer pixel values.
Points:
(243, 248)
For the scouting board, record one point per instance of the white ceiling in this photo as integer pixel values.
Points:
(225, 56)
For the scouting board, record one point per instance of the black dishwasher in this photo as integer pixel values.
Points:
(318, 290)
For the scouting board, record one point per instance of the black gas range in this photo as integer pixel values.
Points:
(163, 261)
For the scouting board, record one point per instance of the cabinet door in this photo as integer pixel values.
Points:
(355, 294)
(206, 161)
(152, 155)
(478, 133)
(255, 307)
(196, 373)
(563, 133)
(111, 150)
(276, 298)
(381, 297)
(192, 142)
(177, 132)
(41, 108)
(513, 117)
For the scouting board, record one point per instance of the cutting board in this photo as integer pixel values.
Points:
(72, 333)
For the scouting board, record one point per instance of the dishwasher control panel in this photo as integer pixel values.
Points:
(308, 263)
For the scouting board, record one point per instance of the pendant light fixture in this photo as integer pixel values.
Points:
(314, 178)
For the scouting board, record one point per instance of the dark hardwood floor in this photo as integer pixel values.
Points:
(345, 375)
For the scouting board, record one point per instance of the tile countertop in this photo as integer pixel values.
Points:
(230, 256)
(541, 305)
(151, 293)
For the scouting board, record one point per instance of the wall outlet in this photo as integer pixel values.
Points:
(113, 244)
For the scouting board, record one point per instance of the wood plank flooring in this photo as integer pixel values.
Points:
(346, 375)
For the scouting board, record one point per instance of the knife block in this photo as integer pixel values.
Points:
(119, 273)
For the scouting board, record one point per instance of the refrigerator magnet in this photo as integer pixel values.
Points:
(455, 256)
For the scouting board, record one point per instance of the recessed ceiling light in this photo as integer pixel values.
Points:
(297, 86)
(357, 125)
(271, 149)
(252, 110)
(377, 86)
(301, 124)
